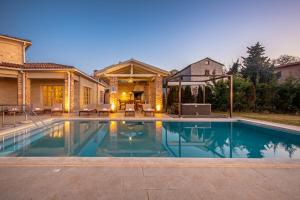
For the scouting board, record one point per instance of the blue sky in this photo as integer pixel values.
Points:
(168, 34)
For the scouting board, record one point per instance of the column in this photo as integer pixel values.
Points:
(158, 93)
(113, 92)
(68, 99)
(20, 89)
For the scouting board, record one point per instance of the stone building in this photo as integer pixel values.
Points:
(133, 81)
(43, 84)
(291, 70)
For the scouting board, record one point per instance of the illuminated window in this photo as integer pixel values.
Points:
(86, 95)
(52, 94)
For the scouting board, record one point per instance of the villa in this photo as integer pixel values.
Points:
(43, 84)
(133, 81)
(74, 157)
(291, 70)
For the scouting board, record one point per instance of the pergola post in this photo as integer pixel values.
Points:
(166, 96)
(231, 95)
(203, 92)
(179, 98)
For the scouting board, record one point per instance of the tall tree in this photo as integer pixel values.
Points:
(187, 96)
(257, 67)
(235, 68)
(285, 59)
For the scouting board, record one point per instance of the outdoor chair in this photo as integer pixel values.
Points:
(13, 110)
(148, 109)
(104, 108)
(36, 108)
(88, 109)
(57, 108)
(129, 109)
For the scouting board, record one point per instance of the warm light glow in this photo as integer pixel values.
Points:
(113, 107)
(123, 93)
(130, 80)
(123, 122)
(113, 128)
(158, 107)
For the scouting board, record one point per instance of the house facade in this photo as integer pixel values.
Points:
(291, 70)
(206, 66)
(43, 84)
(133, 81)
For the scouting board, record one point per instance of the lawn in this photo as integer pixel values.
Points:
(278, 118)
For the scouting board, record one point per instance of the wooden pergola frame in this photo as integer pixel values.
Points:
(211, 78)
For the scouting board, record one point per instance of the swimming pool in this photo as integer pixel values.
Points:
(91, 138)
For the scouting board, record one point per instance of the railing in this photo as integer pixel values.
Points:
(14, 113)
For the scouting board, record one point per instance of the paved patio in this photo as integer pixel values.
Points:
(150, 178)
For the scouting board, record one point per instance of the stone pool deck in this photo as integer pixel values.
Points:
(148, 178)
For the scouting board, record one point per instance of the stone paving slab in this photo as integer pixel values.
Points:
(152, 178)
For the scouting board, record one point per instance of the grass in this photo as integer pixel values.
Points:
(277, 118)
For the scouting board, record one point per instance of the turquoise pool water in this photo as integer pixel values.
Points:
(152, 139)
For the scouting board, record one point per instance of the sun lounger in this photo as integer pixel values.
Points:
(36, 108)
(87, 109)
(129, 109)
(104, 108)
(148, 109)
(13, 109)
(57, 108)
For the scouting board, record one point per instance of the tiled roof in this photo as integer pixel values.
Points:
(36, 66)
(11, 65)
(46, 66)
(15, 38)
(289, 64)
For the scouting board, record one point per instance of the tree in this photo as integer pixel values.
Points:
(200, 95)
(285, 59)
(235, 68)
(187, 96)
(257, 67)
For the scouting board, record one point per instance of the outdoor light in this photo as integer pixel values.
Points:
(158, 107)
(113, 107)
(130, 138)
(130, 80)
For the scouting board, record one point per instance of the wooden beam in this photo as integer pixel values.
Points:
(130, 75)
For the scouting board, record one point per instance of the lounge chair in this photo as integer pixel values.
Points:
(148, 109)
(87, 109)
(36, 108)
(129, 109)
(13, 110)
(104, 108)
(57, 108)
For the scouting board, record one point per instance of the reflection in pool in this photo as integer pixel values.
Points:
(152, 139)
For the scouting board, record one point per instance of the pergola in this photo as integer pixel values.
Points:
(178, 80)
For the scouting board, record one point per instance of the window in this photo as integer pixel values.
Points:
(206, 72)
(52, 94)
(207, 62)
(86, 95)
(278, 75)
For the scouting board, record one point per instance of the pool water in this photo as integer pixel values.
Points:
(152, 139)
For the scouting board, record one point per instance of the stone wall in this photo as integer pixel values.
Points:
(8, 91)
(158, 93)
(11, 51)
(288, 72)
(113, 95)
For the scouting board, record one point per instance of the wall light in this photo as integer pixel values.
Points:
(158, 107)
